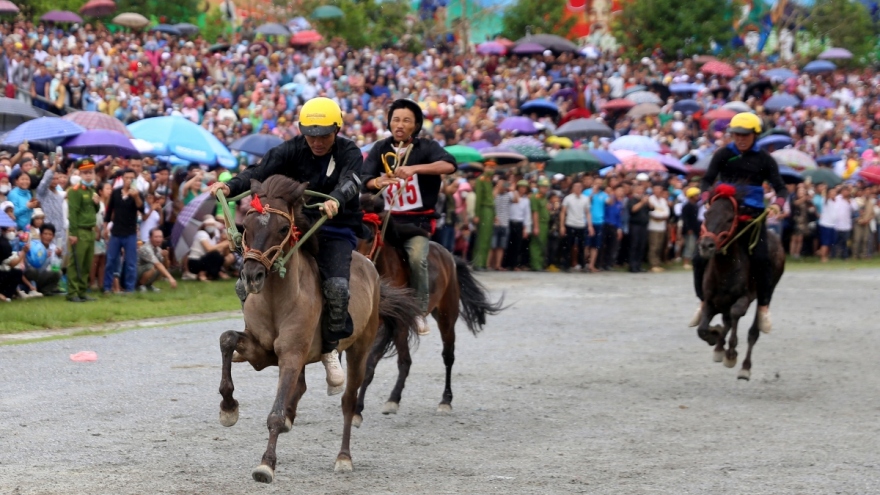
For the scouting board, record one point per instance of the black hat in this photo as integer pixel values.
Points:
(411, 106)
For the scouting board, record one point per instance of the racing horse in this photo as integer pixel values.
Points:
(728, 287)
(282, 314)
(454, 292)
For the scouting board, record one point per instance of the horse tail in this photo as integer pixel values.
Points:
(398, 312)
(475, 304)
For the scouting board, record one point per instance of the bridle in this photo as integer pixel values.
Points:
(268, 257)
(723, 238)
(374, 220)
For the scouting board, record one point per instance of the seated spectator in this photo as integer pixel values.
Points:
(43, 261)
(37, 220)
(207, 253)
(152, 262)
(11, 274)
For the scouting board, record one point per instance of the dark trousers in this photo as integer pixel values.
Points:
(334, 265)
(513, 256)
(638, 243)
(211, 263)
(553, 249)
(9, 281)
(761, 270)
(46, 280)
(610, 246)
(574, 238)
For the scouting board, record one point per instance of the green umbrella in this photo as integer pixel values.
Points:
(568, 162)
(822, 176)
(464, 154)
(327, 12)
(533, 153)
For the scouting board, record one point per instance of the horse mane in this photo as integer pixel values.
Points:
(292, 193)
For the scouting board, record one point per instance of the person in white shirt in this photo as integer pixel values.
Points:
(520, 226)
(659, 205)
(827, 222)
(845, 207)
(575, 222)
(207, 253)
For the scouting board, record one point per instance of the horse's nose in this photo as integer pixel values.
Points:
(707, 246)
(254, 278)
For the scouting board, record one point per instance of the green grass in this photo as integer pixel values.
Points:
(55, 312)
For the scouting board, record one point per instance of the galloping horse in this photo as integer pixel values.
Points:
(283, 316)
(728, 287)
(454, 292)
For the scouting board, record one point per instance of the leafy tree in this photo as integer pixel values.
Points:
(366, 22)
(671, 25)
(845, 24)
(535, 17)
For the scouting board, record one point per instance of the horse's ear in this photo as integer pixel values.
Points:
(256, 187)
(299, 191)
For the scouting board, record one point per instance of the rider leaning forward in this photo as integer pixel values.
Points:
(744, 165)
(330, 164)
(417, 169)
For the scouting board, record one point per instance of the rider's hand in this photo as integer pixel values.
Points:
(404, 172)
(330, 208)
(219, 186)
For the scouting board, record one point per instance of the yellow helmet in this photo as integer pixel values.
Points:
(745, 123)
(319, 117)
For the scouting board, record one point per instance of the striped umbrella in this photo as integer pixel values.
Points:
(98, 120)
(48, 128)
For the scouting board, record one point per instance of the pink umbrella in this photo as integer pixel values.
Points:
(7, 7)
(640, 163)
(98, 8)
(718, 68)
(306, 38)
(491, 48)
(98, 120)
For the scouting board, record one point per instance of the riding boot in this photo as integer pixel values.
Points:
(336, 325)
(417, 249)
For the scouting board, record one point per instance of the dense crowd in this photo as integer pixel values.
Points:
(590, 221)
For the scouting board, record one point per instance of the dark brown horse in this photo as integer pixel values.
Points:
(728, 286)
(283, 316)
(454, 292)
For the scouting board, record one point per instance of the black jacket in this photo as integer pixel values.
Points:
(752, 167)
(294, 159)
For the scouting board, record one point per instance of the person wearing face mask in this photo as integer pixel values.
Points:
(82, 208)
(206, 256)
(5, 186)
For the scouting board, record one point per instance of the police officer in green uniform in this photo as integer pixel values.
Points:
(82, 208)
(484, 215)
(540, 225)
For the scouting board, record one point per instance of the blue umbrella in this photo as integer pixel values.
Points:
(540, 106)
(818, 66)
(777, 103)
(167, 29)
(684, 88)
(777, 140)
(687, 107)
(44, 128)
(634, 143)
(605, 157)
(829, 159)
(522, 125)
(173, 161)
(184, 139)
(779, 73)
(790, 175)
(256, 144)
(295, 88)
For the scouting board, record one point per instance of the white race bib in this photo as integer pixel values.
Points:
(409, 199)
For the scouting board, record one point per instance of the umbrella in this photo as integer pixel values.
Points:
(683, 88)
(577, 113)
(15, 112)
(491, 48)
(470, 167)
(61, 16)
(687, 107)
(568, 162)
(98, 120)
(640, 97)
(5, 221)
(166, 29)
(777, 103)
(257, 144)
(639, 163)
(464, 154)
(189, 222)
(822, 176)
(49, 128)
(737, 106)
(187, 29)
(540, 107)
(327, 12)
(98, 8)
(789, 175)
(144, 148)
(634, 143)
(7, 7)
(298, 23)
(218, 47)
(561, 141)
(643, 110)
(776, 140)
(273, 29)
(528, 49)
(818, 102)
(584, 129)
(619, 104)
(565, 93)
(871, 174)
(131, 19)
(634, 89)
(306, 37)
(522, 125)
(184, 139)
(661, 90)
(836, 53)
(551, 42)
(607, 158)
(719, 114)
(671, 163)
(101, 142)
(590, 52)
(779, 73)
(563, 81)
(819, 66)
(518, 141)
(479, 145)
(718, 68)
(795, 159)
(532, 153)
(829, 159)
(502, 155)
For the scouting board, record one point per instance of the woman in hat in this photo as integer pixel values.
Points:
(206, 255)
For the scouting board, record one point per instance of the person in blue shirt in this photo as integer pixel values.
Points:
(23, 200)
(612, 233)
(599, 199)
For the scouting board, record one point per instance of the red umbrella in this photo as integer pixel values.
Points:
(719, 114)
(619, 104)
(718, 68)
(871, 174)
(305, 38)
(577, 113)
(98, 8)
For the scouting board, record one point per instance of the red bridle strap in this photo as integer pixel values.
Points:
(722, 238)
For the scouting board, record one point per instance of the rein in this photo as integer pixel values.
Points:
(724, 239)
(389, 170)
(376, 221)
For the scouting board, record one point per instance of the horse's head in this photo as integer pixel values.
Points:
(271, 227)
(721, 220)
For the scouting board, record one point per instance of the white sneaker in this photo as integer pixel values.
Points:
(22, 294)
(189, 276)
(34, 293)
(697, 317)
(422, 325)
(335, 374)
(764, 323)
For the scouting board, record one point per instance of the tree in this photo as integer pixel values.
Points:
(370, 23)
(644, 25)
(534, 17)
(845, 24)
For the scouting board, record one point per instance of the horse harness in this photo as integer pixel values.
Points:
(292, 237)
(724, 239)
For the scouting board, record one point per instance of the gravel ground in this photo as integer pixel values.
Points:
(586, 384)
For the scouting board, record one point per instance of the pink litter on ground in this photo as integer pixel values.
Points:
(84, 356)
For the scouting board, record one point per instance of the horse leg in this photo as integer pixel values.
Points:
(372, 361)
(228, 406)
(746, 372)
(446, 323)
(718, 352)
(404, 361)
(356, 358)
(290, 367)
(736, 312)
(703, 330)
(290, 410)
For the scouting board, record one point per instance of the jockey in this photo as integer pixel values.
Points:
(742, 163)
(417, 169)
(330, 164)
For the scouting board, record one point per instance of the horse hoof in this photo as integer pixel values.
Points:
(390, 407)
(718, 356)
(288, 425)
(228, 418)
(730, 363)
(263, 474)
(236, 357)
(744, 374)
(357, 420)
(343, 465)
(331, 390)
(444, 409)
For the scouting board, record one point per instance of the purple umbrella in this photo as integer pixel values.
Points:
(818, 102)
(836, 53)
(479, 145)
(101, 142)
(64, 16)
(491, 48)
(522, 125)
(566, 93)
(189, 221)
(528, 49)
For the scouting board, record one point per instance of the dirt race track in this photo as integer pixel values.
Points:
(586, 384)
